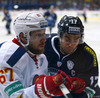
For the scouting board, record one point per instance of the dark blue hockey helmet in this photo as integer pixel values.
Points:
(71, 25)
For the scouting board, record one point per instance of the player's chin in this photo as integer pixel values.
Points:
(69, 51)
(41, 47)
(41, 51)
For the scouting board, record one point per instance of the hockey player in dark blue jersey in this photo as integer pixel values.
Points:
(51, 18)
(8, 19)
(68, 52)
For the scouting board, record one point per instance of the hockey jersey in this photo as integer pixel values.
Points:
(17, 70)
(7, 16)
(81, 63)
(51, 18)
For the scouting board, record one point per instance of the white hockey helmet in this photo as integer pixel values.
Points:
(28, 22)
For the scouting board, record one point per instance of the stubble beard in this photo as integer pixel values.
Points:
(36, 51)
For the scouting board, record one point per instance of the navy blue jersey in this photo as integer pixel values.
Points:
(81, 63)
(51, 18)
(8, 20)
(7, 16)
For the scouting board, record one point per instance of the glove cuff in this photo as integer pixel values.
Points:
(41, 88)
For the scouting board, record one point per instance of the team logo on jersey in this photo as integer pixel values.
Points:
(70, 64)
(59, 63)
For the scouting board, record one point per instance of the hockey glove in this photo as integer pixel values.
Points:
(78, 85)
(47, 86)
(66, 80)
(90, 92)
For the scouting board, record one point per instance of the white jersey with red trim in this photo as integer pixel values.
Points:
(17, 70)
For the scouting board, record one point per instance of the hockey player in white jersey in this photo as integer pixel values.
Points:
(21, 60)
(23, 67)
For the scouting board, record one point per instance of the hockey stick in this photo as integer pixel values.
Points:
(65, 91)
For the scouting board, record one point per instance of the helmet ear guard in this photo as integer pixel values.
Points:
(71, 25)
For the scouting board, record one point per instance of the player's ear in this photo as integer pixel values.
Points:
(22, 38)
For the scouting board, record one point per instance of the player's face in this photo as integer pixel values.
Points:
(37, 41)
(68, 43)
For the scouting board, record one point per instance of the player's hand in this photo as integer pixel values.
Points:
(90, 92)
(78, 85)
(67, 80)
(47, 86)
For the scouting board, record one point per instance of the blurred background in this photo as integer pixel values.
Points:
(87, 10)
(45, 4)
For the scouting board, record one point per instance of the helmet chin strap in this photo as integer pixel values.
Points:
(27, 49)
(31, 53)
